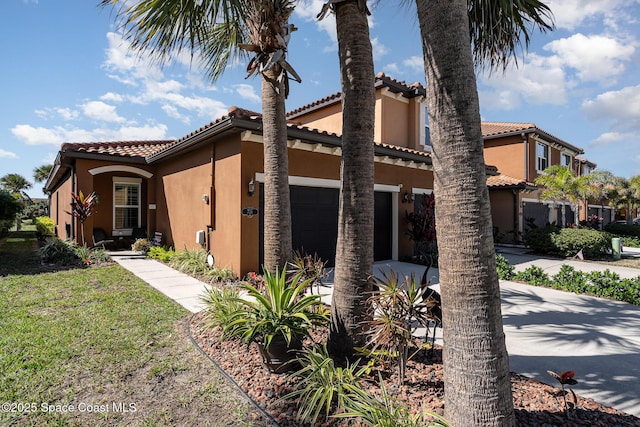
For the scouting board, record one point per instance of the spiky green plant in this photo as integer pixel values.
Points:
(323, 386)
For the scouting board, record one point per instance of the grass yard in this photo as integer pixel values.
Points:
(97, 346)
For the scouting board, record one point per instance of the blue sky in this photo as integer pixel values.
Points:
(67, 76)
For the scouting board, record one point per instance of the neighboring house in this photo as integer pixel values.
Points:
(205, 189)
(521, 152)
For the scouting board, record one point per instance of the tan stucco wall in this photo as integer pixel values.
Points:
(61, 202)
(507, 154)
(180, 212)
(227, 237)
(328, 119)
(502, 213)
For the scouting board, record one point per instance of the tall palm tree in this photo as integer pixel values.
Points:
(222, 30)
(476, 366)
(354, 248)
(41, 173)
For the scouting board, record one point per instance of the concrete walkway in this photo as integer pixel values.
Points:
(545, 329)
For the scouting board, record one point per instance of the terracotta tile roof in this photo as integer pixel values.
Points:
(498, 128)
(381, 80)
(501, 180)
(119, 148)
(404, 149)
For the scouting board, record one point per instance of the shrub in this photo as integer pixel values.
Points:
(567, 242)
(539, 239)
(592, 243)
(505, 270)
(190, 261)
(533, 275)
(219, 274)
(45, 225)
(221, 305)
(623, 229)
(141, 245)
(161, 253)
(56, 251)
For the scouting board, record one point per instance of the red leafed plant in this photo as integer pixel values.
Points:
(82, 208)
(566, 377)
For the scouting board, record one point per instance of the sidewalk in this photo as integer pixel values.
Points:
(545, 329)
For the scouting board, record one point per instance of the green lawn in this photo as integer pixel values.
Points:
(99, 340)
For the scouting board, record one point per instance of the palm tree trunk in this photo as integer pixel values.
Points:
(354, 249)
(277, 203)
(476, 365)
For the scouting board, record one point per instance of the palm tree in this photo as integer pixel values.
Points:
(354, 248)
(476, 365)
(625, 194)
(41, 173)
(562, 186)
(15, 183)
(222, 30)
(601, 183)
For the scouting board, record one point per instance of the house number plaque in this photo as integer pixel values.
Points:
(249, 211)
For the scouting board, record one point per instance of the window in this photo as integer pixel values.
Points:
(586, 170)
(425, 133)
(565, 160)
(542, 156)
(126, 202)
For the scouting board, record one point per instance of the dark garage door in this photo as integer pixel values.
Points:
(314, 222)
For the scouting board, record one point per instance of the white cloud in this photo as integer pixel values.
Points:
(540, 80)
(415, 64)
(247, 92)
(173, 112)
(308, 10)
(613, 137)
(126, 66)
(31, 135)
(595, 57)
(620, 107)
(112, 97)
(379, 49)
(37, 135)
(569, 14)
(99, 110)
(4, 154)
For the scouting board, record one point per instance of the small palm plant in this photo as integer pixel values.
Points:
(400, 307)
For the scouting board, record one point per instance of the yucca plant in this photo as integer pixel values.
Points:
(323, 386)
(280, 309)
(385, 411)
(278, 318)
(221, 305)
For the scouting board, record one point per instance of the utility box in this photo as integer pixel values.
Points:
(200, 237)
(616, 246)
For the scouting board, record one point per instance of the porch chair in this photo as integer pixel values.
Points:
(100, 238)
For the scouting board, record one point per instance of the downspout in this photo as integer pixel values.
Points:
(516, 216)
(525, 140)
(212, 200)
(73, 190)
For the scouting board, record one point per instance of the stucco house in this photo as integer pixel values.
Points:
(205, 189)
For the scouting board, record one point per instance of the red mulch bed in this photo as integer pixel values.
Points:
(536, 404)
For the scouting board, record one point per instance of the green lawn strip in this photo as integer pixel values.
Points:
(17, 253)
(63, 332)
